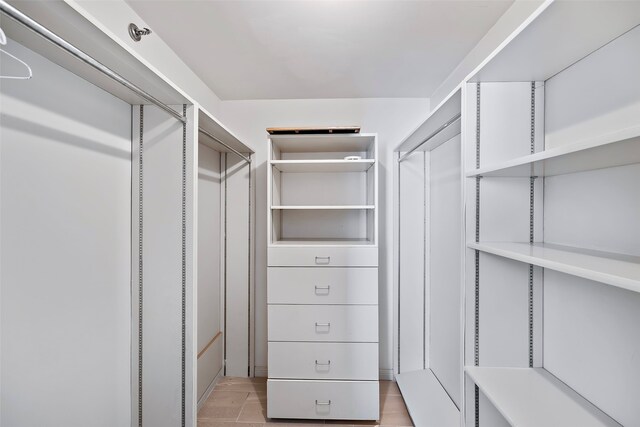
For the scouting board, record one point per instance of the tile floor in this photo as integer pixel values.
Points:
(242, 402)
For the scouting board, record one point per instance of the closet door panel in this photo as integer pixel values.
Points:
(445, 265)
(65, 230)
(413, 319)
(236, 181)
(209, 267)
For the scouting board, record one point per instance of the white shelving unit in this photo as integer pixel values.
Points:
(532, 397)
(428, 268)
(618, 270)
(322, 272)
(551, 142)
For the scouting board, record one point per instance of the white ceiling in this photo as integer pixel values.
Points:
(321, 48)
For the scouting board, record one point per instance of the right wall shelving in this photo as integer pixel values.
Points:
(551, 145)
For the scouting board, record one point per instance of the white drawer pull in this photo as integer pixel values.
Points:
(325, 289)
(319, 403)
(323, 260)
(323, 325)
(323, 364)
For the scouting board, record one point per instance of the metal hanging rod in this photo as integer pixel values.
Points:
(23, 19)
(245, 158)
(427, 139)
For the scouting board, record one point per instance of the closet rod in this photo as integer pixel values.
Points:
(440, 129)
(245, 158)
(23, 19)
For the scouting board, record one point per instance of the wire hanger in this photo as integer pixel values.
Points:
(3, 41)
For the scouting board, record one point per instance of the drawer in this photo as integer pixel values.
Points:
(337, 323)
(312, 360)
(338, 400)
(323, 256)
(312, 285)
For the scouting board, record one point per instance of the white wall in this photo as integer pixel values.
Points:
(392, 119)
(65, 250)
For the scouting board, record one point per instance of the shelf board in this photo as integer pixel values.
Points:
(323, 242)
(427, 401)
(618, 270)
(330, 143)
(334, 207)
(337, 165)
(560, 34)
(533, 397)
(615, 149)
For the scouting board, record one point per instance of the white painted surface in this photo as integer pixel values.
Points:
(323, 256)
(531, 397)
(391, 119)
(427, 402)
(303, 285)
(113, 18)
(209, 291)
(618, 148)
(65, 225)
(315, 361)
(162, 274)
(590, 327)
(344, 49)
(613, 269)
(445, 219)
(238, 266)
(323, 165)
(604, 206)
(413, 292)
(548, 45)
(323, 323)
(352, 400)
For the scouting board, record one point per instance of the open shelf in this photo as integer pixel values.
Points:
(306, 166)
(549, 43)
(615, 149)
(533, 397)
(345, 207)
(427, 402)
(618, 270)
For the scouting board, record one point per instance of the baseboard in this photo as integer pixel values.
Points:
(385, 374)
(207, 393)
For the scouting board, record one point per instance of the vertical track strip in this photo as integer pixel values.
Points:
(425, 224)
(249, 279)
(140, 259)
(225, 263)
(531, 218)
(477, 260)
(184, 263)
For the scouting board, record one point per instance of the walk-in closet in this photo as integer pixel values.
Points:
(230, 213)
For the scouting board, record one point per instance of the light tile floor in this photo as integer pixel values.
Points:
(242, 402)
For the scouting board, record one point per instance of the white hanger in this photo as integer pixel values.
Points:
(3, 41)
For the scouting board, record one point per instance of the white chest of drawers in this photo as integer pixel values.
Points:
(322, 286)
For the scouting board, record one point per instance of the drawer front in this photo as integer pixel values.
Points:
(335, 323)
(319, 256)
(336, 361)
(310, 285)
(339, 400)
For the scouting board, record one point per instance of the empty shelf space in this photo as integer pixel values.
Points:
(322, 242)
(618, 270)
(331, 207)
(323, 165)
(615, 149)
(427, 402)
(532, 397)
